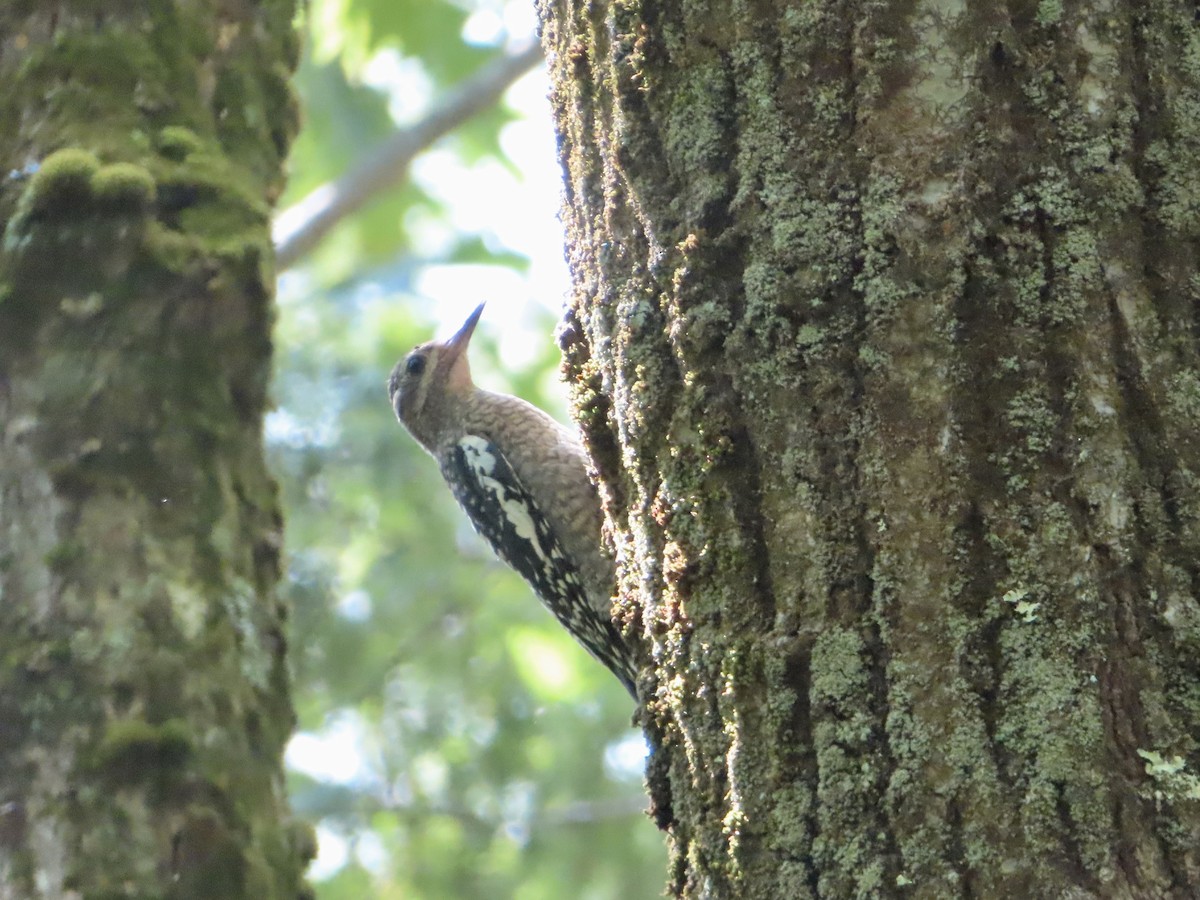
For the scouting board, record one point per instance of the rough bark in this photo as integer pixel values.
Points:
(143, 693)
(885, 337)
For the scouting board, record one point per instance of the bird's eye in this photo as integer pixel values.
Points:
(415, 365)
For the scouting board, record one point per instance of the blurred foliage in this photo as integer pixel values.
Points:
(454, 742)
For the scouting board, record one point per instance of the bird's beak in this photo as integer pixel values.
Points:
(458, 343)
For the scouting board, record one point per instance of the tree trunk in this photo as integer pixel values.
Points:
(143, 693)
(885, 332)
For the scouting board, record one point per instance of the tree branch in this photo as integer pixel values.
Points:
(315, 215)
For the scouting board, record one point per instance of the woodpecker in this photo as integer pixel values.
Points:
(521, 477)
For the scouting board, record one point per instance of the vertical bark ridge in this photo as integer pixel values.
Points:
(915, 281)
(145, 691)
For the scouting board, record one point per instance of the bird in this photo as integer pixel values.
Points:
(522, 479)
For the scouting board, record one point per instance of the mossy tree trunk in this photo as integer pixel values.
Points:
(885, 327)
(143, 694)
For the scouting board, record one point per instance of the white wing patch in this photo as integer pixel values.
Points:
(479, 456)
(506, 514)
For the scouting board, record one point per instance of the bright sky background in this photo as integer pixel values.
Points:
(519, 214)
(512, 212)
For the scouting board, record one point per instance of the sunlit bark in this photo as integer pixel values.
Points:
(885, 334)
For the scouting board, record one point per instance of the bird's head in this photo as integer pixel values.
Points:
(429, 379)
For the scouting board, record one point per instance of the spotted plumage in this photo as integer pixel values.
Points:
(522, 479)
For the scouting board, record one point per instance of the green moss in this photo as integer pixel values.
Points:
(124, 187)
(1049, 12)
(260, 879)
(1183, 396)
(216, 864)
(130, 746)
(303, 840)
(178, 143)
(64, 555)
(174, 251)
(64, 177)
